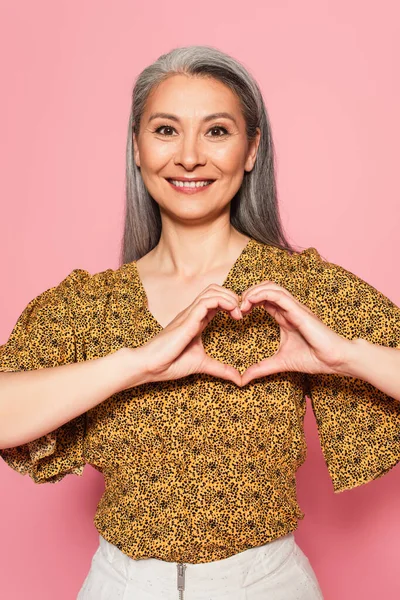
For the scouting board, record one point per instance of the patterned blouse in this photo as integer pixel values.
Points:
(197, 469)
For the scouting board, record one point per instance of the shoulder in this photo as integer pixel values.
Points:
(309, 276)
(277, 256)
(305, 259)
(80, 289)
(289, 268)
(80, 283)
(307, 263)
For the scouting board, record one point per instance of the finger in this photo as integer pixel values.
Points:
(190, 323)
(278, 315)
(212, 293)
(284, 300)
(193, 320)
(267, 285)
(214, 287)
(213, 367)
(269, 366)
(256, 286)
(223, 302)
(290, 312)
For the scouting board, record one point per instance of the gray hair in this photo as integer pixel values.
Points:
(254, 208)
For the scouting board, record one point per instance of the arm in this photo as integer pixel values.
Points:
(27, 407)
(378, 365)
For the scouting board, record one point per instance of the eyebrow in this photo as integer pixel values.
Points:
(218, 115)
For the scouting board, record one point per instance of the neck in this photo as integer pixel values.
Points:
(189, 252)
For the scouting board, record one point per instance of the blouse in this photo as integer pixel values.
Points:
(198, 469)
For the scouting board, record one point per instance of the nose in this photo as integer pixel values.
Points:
(189, 152)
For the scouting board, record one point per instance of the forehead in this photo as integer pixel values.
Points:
(182, 94)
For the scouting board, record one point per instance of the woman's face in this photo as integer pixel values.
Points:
(188, 141)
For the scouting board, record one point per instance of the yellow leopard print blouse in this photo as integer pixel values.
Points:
(198, 469)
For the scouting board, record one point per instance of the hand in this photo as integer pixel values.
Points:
(307, 345)
(177, 351)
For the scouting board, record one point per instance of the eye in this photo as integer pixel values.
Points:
(168, 129)
(164, 127)
(219, 128)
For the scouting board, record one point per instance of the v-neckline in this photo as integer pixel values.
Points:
(143, 294)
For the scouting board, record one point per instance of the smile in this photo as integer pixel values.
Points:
(190, 184)
(190, 187)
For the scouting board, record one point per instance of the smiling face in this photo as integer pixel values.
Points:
(193, 129)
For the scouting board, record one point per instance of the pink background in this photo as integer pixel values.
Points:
(329, 74)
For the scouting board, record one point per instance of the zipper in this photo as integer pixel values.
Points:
(181, 579)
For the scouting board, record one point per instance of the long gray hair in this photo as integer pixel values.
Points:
(254, 209)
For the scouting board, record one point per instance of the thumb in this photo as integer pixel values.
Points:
(268, 366)
(214, 367)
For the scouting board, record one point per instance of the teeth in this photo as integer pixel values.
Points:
(190, 184)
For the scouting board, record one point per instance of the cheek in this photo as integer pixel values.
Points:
(230, 159)
(153, 156)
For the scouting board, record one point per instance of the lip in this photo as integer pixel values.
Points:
(191, 178)
(189, 190)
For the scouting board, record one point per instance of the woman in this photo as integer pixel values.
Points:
(182, 375)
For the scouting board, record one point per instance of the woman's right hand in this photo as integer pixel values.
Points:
(177, 351)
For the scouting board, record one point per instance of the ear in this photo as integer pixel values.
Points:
(136, 156)
(252, 152)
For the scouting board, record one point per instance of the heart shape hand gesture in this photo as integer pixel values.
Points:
(306, 344)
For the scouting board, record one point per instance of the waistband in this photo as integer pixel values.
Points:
(236, 571)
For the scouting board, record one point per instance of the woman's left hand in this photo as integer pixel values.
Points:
(307, 345)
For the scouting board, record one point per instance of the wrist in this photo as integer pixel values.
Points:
(132, 369)
(353, 364)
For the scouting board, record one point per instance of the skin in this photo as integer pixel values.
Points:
(198, 246)
(197, 238)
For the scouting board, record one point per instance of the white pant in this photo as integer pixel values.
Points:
(278, 570)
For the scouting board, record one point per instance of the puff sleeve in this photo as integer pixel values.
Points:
(358, 425)
(45, 336)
